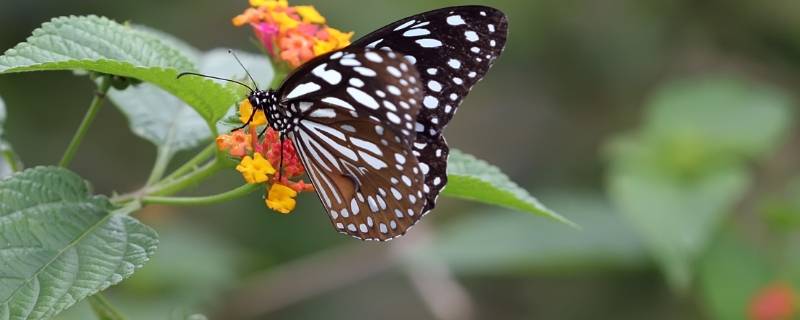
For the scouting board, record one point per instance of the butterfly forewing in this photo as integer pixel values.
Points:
(452, 48)
(356, 111)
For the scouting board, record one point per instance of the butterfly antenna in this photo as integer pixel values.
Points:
(245, 69)
(213, 77)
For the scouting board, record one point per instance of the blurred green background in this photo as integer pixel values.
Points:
(667, 129)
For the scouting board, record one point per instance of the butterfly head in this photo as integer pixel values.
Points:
(267, 101)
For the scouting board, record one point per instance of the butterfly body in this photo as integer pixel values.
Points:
(367, 120)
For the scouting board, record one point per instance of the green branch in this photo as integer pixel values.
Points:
(171, 187)
(192, 164)
(206, 200)
(103, 309)
(163, 156)
(94, 107)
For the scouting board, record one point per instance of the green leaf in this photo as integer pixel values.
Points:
(730, 275)
(677, 177)
(61, 244)
(727, 114)
(9, 162)
(101, 45)
(168, 122)
(486, 242)
(676, 219)
(474, 179)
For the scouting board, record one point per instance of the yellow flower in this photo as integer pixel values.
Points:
(284, 21)
(269, 4)
(281, 198)
(245, 109)
(336, 40)
(255, 169)
(309, 14)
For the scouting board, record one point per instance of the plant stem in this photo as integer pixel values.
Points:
(103, 309)
(163, 156)
(196, 201)
(192, 163)
(201, 173)
(97, 102)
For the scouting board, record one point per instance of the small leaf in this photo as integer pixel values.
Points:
(755, 116)
(730, 275)
(474, 179)
(168, 122)
(101, 45)
(61, 244)
(676, 219)
(9, 162)
(490, 243)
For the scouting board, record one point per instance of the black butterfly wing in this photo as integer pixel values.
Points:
(452, 48)
(354, 133)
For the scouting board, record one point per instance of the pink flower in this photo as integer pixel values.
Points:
(267, 33)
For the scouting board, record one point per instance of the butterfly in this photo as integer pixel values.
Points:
(367, 120)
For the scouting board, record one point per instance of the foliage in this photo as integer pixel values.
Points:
(682, 172)
(69, 244)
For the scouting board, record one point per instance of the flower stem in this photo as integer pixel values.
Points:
(200, 174)
(196, 201)
(103, 309)
(163, 155)
(97, 102)
(192, 163)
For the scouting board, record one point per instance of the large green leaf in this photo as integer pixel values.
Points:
(101, 45)
(9, 162)
(61, 244)
(168, 122)
(676, 178)
(489, 243)
(474, 179)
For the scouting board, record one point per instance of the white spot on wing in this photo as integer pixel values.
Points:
(363, 98)
(471, 36)
(429, 43)
(455, 20)
(416, 32)
(330, 76)
(303, 89)
(405, 25)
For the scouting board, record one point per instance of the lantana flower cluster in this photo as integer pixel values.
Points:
(294, 34)
(260, 160)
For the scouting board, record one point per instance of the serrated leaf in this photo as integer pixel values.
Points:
(101, 45)
(61, 244)
(9, 161)
(168, 122)
(474, 179)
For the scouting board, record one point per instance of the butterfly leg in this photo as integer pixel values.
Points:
(252, 114)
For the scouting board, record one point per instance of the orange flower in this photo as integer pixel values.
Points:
(236, 143)
(774, 302)
(296, 48)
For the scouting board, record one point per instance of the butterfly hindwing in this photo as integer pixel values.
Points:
(356, 111)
